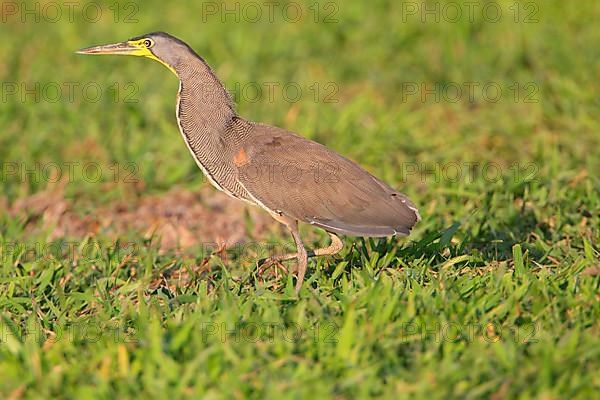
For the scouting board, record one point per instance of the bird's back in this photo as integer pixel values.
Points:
(297, 177)
(279, 170)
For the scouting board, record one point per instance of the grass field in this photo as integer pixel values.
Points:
(123, 275)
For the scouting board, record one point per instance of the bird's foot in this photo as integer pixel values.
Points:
(265, 264)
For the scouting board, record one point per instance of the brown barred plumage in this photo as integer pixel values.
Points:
(293, 178)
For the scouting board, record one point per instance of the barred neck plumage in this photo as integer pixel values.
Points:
(209, 124)
(205, 107)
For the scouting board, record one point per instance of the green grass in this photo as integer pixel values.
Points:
(495, 295)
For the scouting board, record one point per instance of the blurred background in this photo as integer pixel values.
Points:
(462, 106)
(485, 113)
(353, 76)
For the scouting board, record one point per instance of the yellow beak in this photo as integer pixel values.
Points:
(131, 48)
(124, 48)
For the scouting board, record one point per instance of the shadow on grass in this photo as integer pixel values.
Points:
(492, 240)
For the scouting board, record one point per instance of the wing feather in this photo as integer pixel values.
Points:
(307, 181)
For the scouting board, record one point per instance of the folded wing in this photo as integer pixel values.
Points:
(309, 182)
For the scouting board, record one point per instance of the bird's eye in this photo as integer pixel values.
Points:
(147, 43)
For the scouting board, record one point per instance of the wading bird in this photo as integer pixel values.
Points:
(292, 178)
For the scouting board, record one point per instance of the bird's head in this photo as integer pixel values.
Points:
(158, 46)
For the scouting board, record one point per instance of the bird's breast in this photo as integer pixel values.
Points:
(211, 142)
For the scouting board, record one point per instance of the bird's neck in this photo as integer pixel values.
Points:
(209, 124)
(204, 106)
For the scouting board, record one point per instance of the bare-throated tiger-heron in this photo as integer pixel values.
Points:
(292, 178)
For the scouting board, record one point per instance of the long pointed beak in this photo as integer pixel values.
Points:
(116, 48)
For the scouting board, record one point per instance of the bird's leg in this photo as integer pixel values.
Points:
(302, 256)
(266, 263)
(274, 261)
(334, 247)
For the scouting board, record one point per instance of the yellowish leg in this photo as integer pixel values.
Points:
(334, 247)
